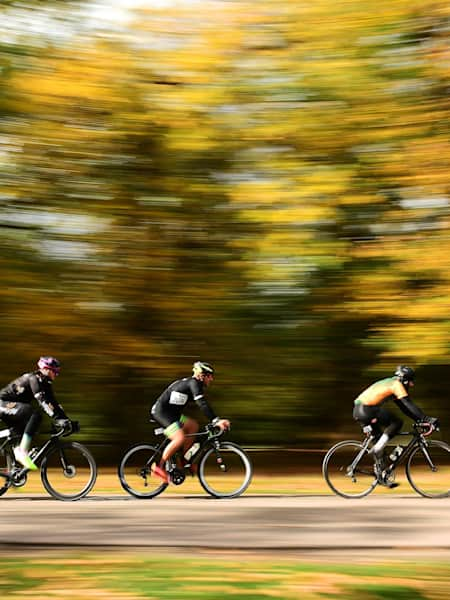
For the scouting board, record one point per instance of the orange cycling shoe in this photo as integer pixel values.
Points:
(161, 473)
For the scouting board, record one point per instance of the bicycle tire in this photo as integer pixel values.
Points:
(135, 471)
(335, 469)
(6, 462)
(229, 478)
(422, 478)
(74, 480)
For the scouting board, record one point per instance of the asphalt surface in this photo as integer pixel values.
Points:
(247, 523)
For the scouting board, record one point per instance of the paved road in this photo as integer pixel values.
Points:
(250, 522)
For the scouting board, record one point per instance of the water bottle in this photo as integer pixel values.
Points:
(396, 452)
(192, 450)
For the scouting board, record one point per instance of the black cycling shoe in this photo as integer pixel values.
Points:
(382, 474)
(383, 478)
(386, 483)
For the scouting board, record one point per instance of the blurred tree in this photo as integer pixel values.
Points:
(264, 187)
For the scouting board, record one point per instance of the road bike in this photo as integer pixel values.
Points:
(352, 471)
(223, 468)
(68, 470)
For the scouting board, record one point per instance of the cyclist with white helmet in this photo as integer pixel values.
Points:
(168, 412)
(16, 404)
(369, 410)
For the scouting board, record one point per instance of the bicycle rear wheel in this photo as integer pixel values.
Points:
(225, 472)
(348, 470)
(428, 470)
(68, 471)
(135, 471)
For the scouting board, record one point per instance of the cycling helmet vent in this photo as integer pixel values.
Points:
(49, 362)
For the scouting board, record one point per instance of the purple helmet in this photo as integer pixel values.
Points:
(49, 362)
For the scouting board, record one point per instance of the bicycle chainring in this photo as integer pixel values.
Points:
(177, 476)
(389, 476)
(18, 479)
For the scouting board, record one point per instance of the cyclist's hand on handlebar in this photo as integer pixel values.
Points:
(218, 425)
(430, 424)
(223, 424)
(64, 424)
(434, 421)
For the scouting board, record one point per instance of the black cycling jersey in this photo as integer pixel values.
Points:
(31, 386)
(169, 405)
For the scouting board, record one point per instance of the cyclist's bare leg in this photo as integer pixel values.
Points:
(189, 427)
(177, 439)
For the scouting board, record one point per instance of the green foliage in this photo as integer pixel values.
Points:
(264, 187)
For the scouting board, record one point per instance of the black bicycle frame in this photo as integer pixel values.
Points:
(41, 452)
(210, 439)
(416, 441)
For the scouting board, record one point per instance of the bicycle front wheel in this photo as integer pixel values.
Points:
(6, 462)
(348, 470)
(68, 471)
(428, 470)
(226, 471)
(135, 471)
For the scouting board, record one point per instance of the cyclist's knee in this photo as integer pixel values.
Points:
(33, 423)
(394, 428)
(177, 437)
(190, 426)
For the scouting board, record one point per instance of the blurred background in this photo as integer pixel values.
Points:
(261, 185)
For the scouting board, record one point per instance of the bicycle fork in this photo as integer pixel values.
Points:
(423, 447)
(219, 460)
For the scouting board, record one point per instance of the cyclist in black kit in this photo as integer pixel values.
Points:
(16, 408)
(168, 411)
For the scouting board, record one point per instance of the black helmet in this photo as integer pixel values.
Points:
(405, 374)
(202, 367)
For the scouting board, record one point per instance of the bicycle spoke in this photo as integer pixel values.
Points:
(225, 473)
(68, 471)
(428, 470)
(349, 470)
(135, 472)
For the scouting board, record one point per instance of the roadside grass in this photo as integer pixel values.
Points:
(131, 576)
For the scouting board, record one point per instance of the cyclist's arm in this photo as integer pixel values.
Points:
(46, 400)
(197, 393)
(201, 401)
(410, 409)
(205, 407)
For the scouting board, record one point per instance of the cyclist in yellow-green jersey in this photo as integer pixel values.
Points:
(369, 406)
